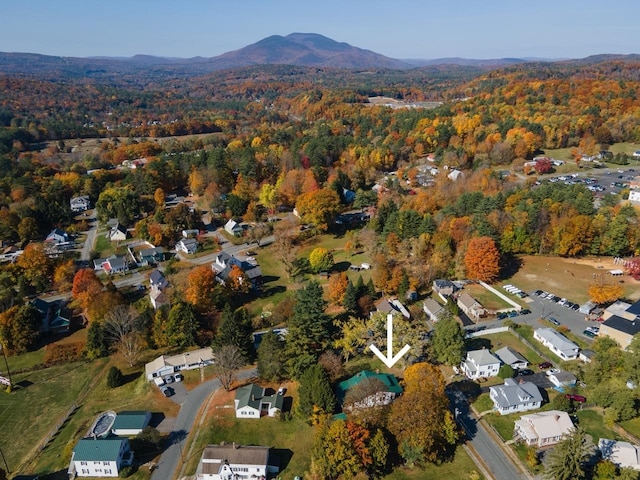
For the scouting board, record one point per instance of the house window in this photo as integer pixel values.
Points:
(105, 463)
(83, 463)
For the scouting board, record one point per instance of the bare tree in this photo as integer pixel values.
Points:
(122, 329)
(228, 360)
(286, 252)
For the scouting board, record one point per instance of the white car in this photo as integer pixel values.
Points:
(636, 153)
(552, 371)
(178, 377)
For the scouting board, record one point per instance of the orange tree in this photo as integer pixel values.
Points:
(318, 207)
(482, 260)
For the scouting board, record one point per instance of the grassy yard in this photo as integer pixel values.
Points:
(632, 426)
(567, 277)
(40, 399)
(506, 339)
(593, 423)
(459, 468)
(487, 298)
(103, 246)
(483, 403)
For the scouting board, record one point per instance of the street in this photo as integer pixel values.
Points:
(174, 456)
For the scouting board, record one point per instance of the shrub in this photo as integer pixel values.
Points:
(114, 377)
(149, 441)
(126, 472)
(506, 371)
(60, 353)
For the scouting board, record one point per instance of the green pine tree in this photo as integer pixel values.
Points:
(236, 329)
(315, 391)
(350, 300)
(567, 458)
(270, 364)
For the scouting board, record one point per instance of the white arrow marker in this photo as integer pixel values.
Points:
(389, 360)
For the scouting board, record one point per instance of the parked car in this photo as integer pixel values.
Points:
(588, 333)
(554, 320)
(282, 391)
(575, 307)
(512, 314)
(544, 365)
(525, 311)
(178, 377)
(538, 292)
(552, 371)
(167, 391)
(501, 315)
(169, 379)
(576, 398)
(525, 371)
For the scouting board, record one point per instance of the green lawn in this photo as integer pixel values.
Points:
(459, 468)
(294, 438)
(488, 299)
(507, 339)
(593, 423)
(632, 426)
(103, 246)
(39, 400)
(483, 403)
(503, 424)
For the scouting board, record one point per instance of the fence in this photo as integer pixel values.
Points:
(57, 427)
(487, 332)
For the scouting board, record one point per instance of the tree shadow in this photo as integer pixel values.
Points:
(130, 377)
(478, 343)
(284, 456)
(269, 279)
(341, 267)
(267, 292)
(510, 266)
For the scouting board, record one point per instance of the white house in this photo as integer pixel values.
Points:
(514, 396)
(187, 245)
(563, 379)
(235, 462)
(58, 236)
(117, 234)
(433, 309)
(509, 356)
(480, 363)
(544, 428)
(252, 401)
(103, 457)
(233, 228)
(113, 264)
(166, 365)
(80, 204)
(623, 454)
(557, 343)
(634, 196)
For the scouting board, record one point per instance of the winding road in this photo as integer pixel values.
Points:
(173, 457)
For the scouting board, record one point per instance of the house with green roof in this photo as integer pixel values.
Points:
(130, 423)
(102, 457)
(383, 389)
(252, 401)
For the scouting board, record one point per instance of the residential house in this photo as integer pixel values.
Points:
(166, 365)
(102, 457)
(158, 298)
(118, 233)
(130, 423)
(470, 306)
(391, 306)
(187, 245)
(56, 317)
(622, 454)
(252, 401)
(224, 262)
(544, 428)
(433, 309)
(190, 233)
(511, 357)
(444, 288)
(557, 343)
(634, 196)
(112, 264)
(151, 256)
(157, 280)
(233, 228)
(480, 363)
(515, 396)
(235, 462)
(58, 236)
(389, 384)
(563, 379)
(80, 204)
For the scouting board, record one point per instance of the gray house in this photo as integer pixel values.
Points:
(433, 309)
(509, 356)
(515, 396)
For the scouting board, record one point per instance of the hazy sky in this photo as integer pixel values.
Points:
(400, 29)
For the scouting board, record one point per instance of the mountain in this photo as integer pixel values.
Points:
(306, 50)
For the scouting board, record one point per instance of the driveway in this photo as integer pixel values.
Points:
(174, 456)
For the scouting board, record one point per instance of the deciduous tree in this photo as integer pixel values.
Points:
(605, 292)
(318, 207)
(420, 419)
(20, 328)
(320, 259)
(123, 329)
(228, 360)
(36, 266)
(202, 290)
(482, 259)
(447, 341)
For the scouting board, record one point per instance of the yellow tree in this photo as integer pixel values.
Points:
(318, 207)
(420, 419)
(197, 182)
(237, 280)
(267, 196)
(63, 275)
(36, 266)
(605, 292)
(337, 287)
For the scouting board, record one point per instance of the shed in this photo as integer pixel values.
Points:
(129, 423)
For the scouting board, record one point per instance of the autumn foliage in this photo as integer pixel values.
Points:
(482, 260)
(202, 289)
(605, 292)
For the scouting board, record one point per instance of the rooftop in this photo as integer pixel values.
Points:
(388, 380)
(100, 450)
(630, 327)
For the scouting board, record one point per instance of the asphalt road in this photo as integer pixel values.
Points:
(497, 461)
(175, 455)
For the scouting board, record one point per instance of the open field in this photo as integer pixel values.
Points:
(459, 468)
(486, 298)
(565, 153)
(568, 277)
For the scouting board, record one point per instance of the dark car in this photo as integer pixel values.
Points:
(575, 307)
(525, 311)
(525, 371)
(537, 292)
(512, 314)
(576, 398)
(554, 320)
(588, 333)
(544, 365)
(167, 391)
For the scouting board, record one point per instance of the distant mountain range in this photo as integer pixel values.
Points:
(300, 49)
